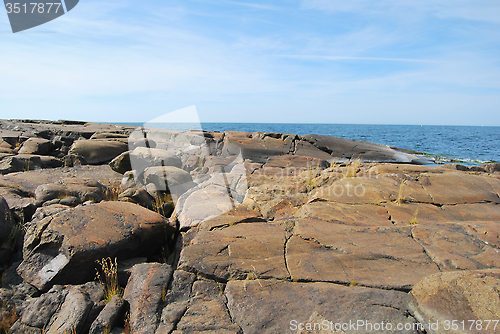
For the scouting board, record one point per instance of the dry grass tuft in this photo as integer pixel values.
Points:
(108, 276)
(351, 169)
(414, 221)
(401, 198)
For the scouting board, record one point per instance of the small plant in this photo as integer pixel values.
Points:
(353, 283)
(333, 162)
(112, 192)
(160, 200)
(163, 294)
(401, 198)
(311, 181)
(352, 168)
(414, 221)
(127, 323)
(108, 276)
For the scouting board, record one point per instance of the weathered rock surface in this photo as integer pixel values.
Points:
(270, 228)
(98, 151)
(36, 146)
(353, 149)
(109, 316)
(6, 221)
(237, 251)
(145, 288)
(61, 310)
(62, 249)
(273, 306)
(468, 298)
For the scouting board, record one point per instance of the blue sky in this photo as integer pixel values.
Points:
(309, 61)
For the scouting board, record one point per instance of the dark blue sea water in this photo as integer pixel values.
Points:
(468, 144)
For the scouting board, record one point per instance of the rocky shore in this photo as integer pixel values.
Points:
(118, 229)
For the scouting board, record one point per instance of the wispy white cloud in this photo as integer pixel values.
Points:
(117, 57)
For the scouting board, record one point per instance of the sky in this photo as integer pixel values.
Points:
(431, 62)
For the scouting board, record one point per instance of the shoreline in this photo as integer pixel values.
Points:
(237, 232)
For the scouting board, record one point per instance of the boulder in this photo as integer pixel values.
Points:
(121, 164)
(63, 309)
(148, 157)
(109, 316)
(98, 151)
(467, 299)
(38, 146)
(18, 163)
(138, 196)
(219, 194)
(169, 178)
(254, 149)
(62, 249)
(145, 288)
(83, 189)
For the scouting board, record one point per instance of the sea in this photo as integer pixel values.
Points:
(470, 145)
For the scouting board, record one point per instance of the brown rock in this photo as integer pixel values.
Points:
(83, 189)
(451, 247)
(254, 249)
(382, 257)
(353, 149)
(62, 249)
(459, 188)
(465, 298)
(255, 149)
(361, 215)
(272, 306)
(364, 190)
(207, 311)
(472, 212)
(240, 214)
(145, 288)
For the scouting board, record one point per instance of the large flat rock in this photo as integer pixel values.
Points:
(382, 257)
(237, 251)
(273, 306)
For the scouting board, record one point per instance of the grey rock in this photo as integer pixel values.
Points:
(36, 146)
(98, 151)
(7, 222)
(121, 163)
(108, 317)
